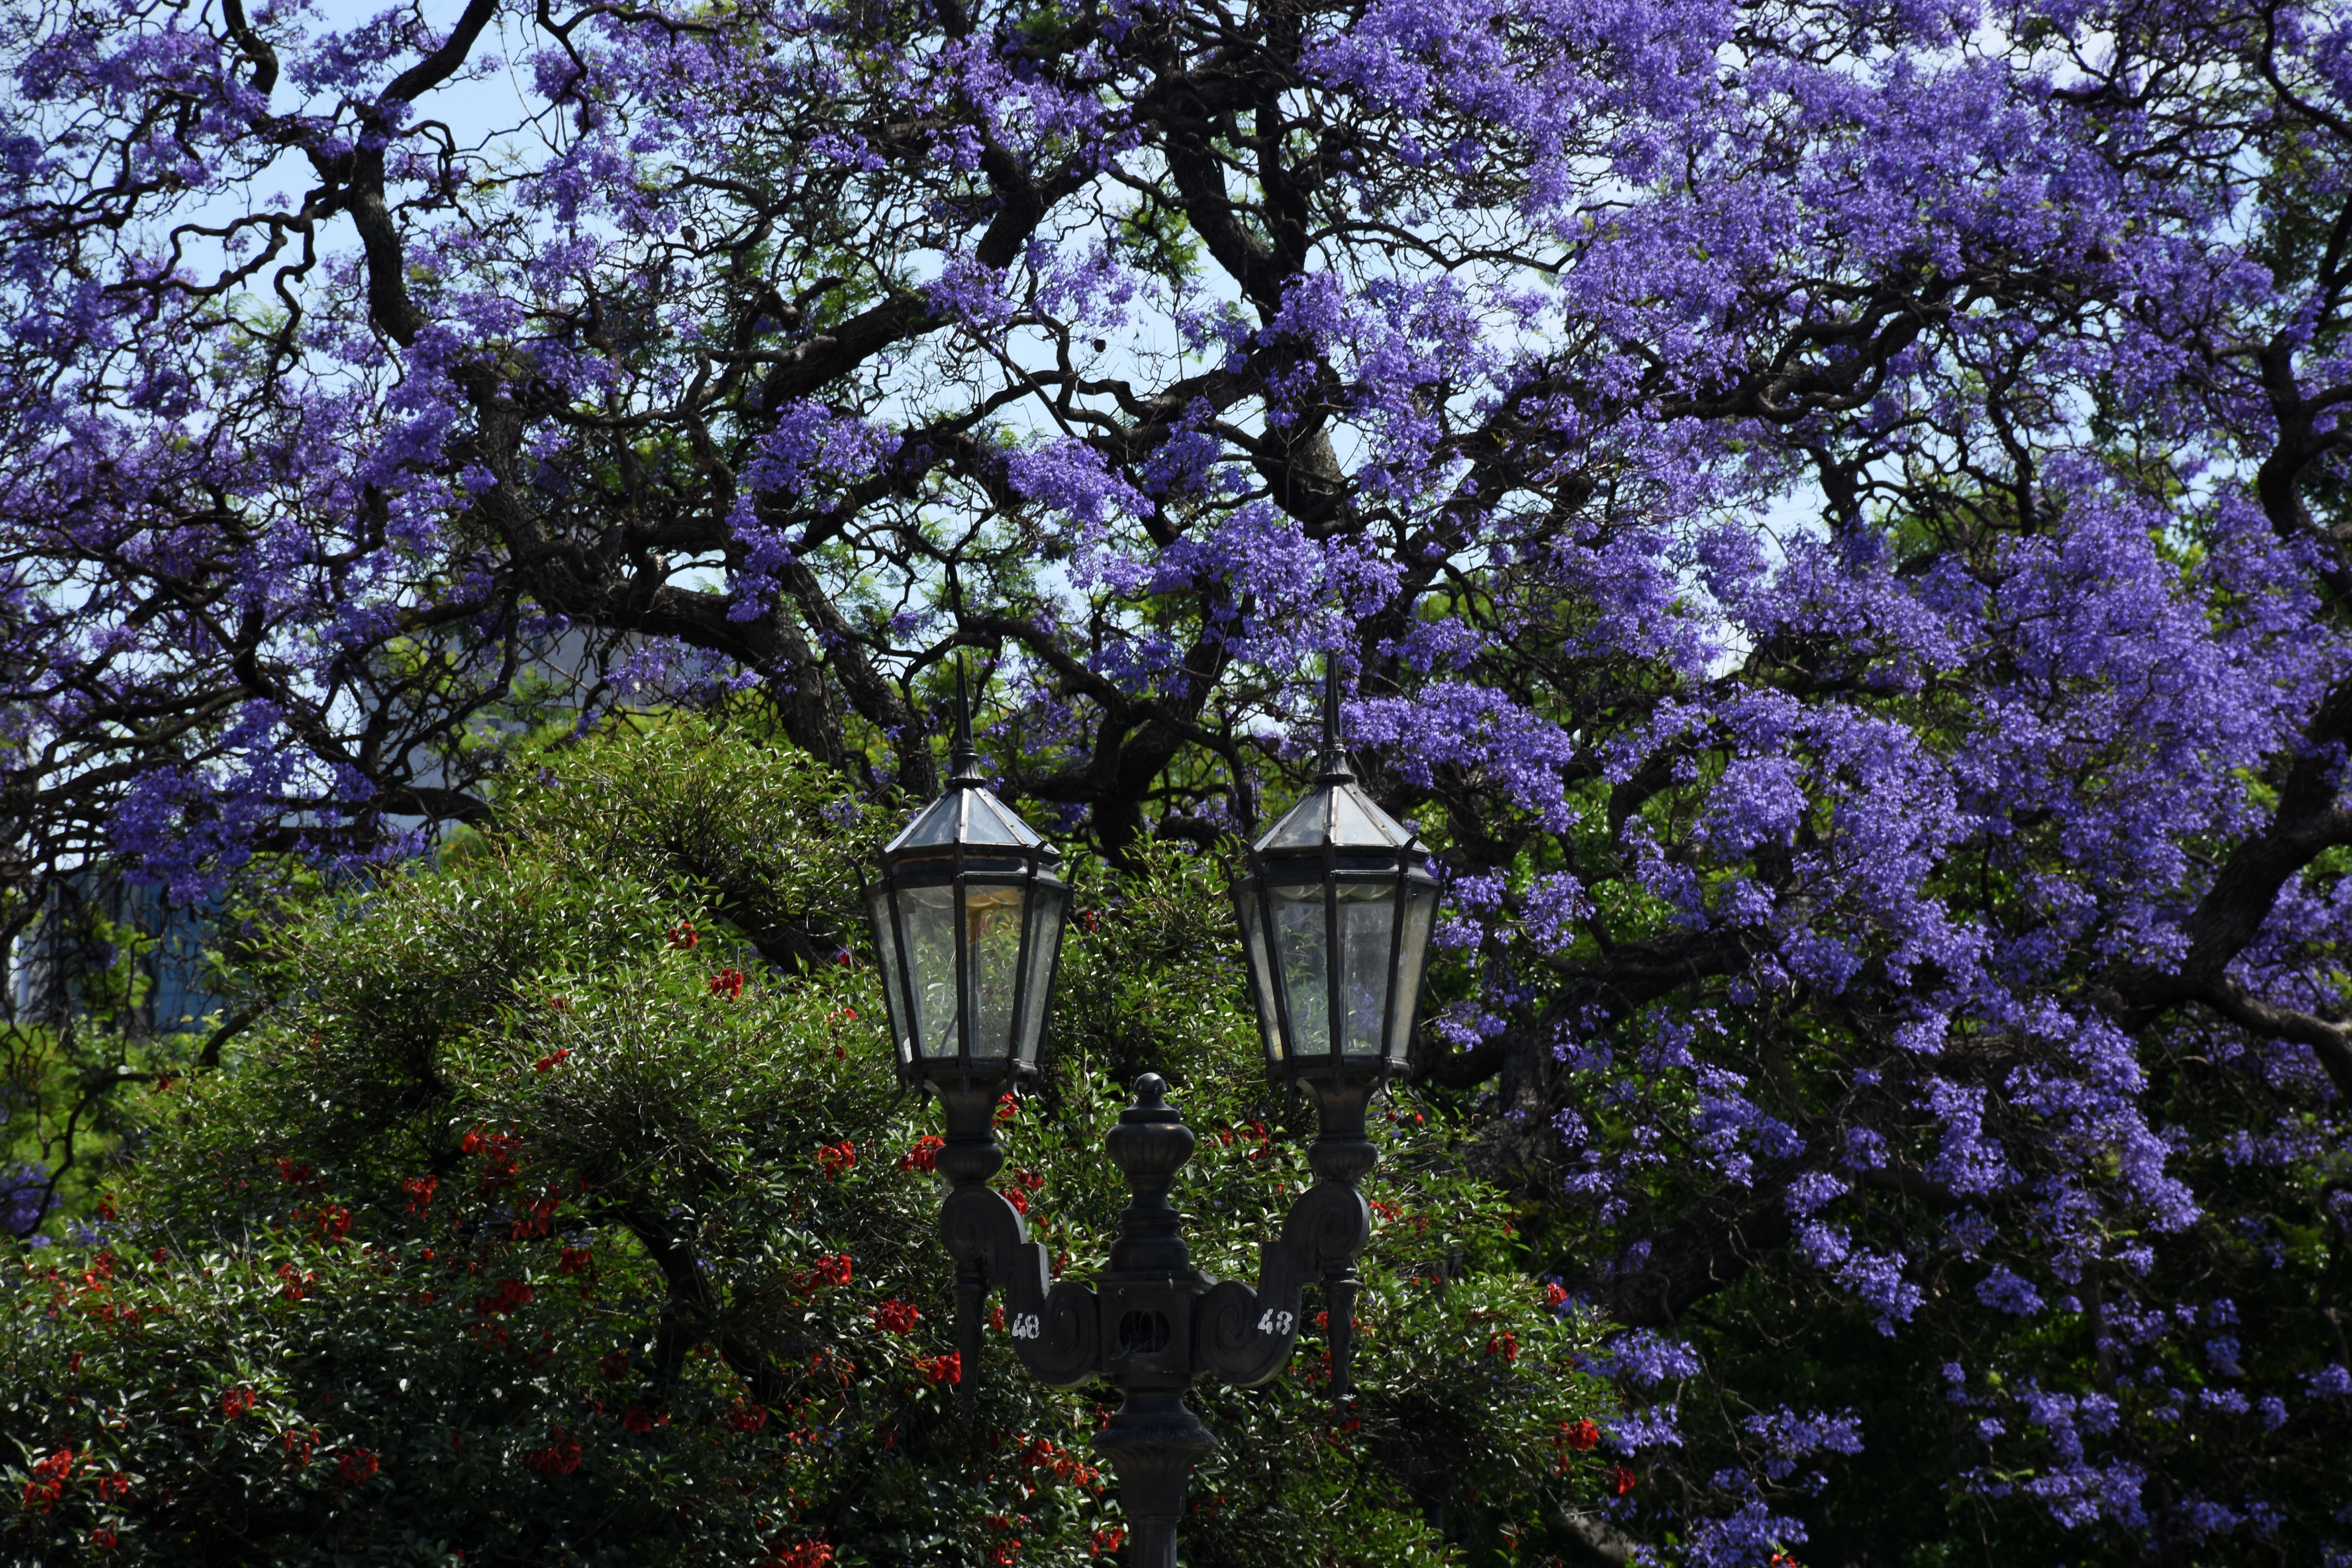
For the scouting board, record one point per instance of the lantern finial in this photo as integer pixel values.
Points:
(1334, 763)
(964, 757)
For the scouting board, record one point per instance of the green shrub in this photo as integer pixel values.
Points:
(559, 1208)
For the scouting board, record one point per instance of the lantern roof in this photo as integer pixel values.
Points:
(967, 814)
(1336, 814)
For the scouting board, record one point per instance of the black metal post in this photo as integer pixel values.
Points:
(1148, 1294)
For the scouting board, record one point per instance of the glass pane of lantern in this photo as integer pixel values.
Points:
(927, 917)
(1261, 973)
(1052, 907)
(992, 936)
(1367, 916)
(1300, 947)
(885, 953)
(1413, 959)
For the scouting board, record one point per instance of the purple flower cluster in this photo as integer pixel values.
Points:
(1829, 515)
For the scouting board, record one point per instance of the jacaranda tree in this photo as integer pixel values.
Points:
(1831, 514)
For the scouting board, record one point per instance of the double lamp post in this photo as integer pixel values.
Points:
(1335, 912)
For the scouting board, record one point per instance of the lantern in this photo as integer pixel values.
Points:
(1335, 914)
(967, 922)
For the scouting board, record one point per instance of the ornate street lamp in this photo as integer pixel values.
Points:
(967, 918)
(1335, 914)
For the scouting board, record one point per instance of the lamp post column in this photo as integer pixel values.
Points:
(1148, 1296)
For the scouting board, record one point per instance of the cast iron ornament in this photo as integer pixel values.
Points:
(1151, 1324)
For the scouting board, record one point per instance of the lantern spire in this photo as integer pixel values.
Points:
(964, 757)
(1334, 763)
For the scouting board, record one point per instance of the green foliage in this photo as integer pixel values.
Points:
(559, 1206)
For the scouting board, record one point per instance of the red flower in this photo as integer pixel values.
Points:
(615, 1365)
(293, 1286)
(896, 1317)
(728, 982)
(106, 1209)
(923, 1154)
(636, 1419)
(300, 1445)
(748, 1418)
(235, 1402)
(1580, 1435)
(682, 934)
(1505, 1345)
(296, 1174)
(1555, 1293)
(356, 1465)
(102, 1539)
(559, 1457)
(334, 1223)
(803, 1554)
(834, 1159)
(48, 1482)
(1108, 1541)
(114, 1487)
(948, 1368)
(575, 1260)
(1621, 1479)
(1019, 1200)
(552, 1058)
(1003, 1553)
(420, 1191)
(511, 1293)
(1007, 1107)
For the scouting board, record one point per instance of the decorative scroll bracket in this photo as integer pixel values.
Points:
(1246, 1336)
(1055, 1326)
(1153, 1324)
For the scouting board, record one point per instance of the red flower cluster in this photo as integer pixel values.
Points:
(1044, 1453)
(235, 1402)
(923, 1154)
(1007, 1107)
(114, 1487)
(294, 1174)
(356, 1465)
(1385, 1210)
(1004, 1552)
(293, 1286)
(552, 1059)
(1505, 1345)
(834, 1159)
(748, 1418)
(1108, 1541)
(511, 1293)
(800, 1554)
(1555, 1293)
(1621, 1479)
(948, 1368)
(538, 1216)
(575, 1260)
(420, 1190)
(1579, 1434)
(300, 1445)
(834, 1270)
(48, 1482)
(1019, 1200)
(502, 1155)
(103, 1538)
(559, 1457)
(728, 982)
(334, 1223)
(682, 935)
(636, 1419)
(896, 1317)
